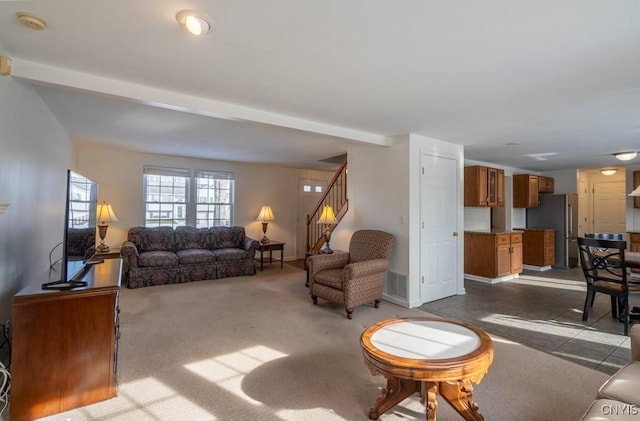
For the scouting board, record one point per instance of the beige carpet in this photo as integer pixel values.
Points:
(257, 348)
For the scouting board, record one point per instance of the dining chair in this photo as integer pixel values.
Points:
(605, 272)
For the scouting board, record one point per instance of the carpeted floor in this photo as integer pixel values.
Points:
(257, 348)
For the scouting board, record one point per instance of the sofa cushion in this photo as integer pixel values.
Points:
(623, 385)
(157, 259)
(194, 256)
(152, 239)
(192, 238)
(333, 278)
(230, 255)
(227, 237)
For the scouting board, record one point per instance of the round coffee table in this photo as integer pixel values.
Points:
(428, 356)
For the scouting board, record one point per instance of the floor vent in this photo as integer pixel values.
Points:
(396, 285)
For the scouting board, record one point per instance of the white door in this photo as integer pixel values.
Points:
(609, 207)
(584, 210)
(439, 235)
(309, 194)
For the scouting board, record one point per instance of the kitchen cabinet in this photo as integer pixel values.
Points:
(525, 191)
(634, 241)
(545, 184)
(492, 255)
(538, 247)
(483, 186)
(636, 183)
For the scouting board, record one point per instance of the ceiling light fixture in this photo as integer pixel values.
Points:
(31, 21)
(635, 192)
(608, 171)
(195, 22)
(625, 156)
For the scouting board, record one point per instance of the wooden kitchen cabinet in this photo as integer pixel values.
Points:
(492, 255)
(538, 247)
(525, 191)
(634, 241)
(483, 186)
(545, 184)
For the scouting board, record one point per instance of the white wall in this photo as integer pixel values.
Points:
(384, 193)
(119, 176)
(36, 153)
(633, 215)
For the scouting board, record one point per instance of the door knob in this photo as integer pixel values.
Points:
(455, 233)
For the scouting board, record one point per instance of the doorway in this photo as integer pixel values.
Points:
(609, 207)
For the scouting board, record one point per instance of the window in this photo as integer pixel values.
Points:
(173, 198)
(214, 192)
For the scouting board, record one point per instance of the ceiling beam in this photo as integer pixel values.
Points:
(57, 76)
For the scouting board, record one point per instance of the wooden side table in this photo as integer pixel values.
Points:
(113, 253)
(270, 247)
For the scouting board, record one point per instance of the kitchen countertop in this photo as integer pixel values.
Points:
(493, 232)
(535, 229)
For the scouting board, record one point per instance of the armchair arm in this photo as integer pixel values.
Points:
(320, 262)
(129, 253)
(634, 338)
(366, 267)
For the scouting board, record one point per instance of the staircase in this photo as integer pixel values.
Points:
(336, 197)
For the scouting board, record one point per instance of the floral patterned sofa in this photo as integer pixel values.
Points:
(162, 255)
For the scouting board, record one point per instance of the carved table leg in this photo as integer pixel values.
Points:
(460, 396)
(430, 393)
(397, 390)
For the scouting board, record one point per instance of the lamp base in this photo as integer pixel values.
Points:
(102, 248)
(265, 240)
(326, 250)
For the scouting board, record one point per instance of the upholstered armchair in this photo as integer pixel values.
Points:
(354, 278)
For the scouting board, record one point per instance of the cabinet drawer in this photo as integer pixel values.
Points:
(503, 239)
(635, 238)
(516, 238)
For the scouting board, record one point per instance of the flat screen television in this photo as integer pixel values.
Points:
(79, 236)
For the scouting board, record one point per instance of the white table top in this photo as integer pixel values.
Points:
(427, 339)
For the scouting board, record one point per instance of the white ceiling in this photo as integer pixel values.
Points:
(292, 82)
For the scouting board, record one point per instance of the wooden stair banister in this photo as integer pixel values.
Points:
(336, 197)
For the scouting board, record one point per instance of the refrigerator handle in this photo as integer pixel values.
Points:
(570, 221)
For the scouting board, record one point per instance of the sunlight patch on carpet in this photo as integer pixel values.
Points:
(227, 371)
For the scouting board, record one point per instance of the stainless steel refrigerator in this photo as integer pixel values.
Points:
(558, 212)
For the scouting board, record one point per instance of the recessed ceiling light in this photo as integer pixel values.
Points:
(195, 22)
(608, 171)
(625, 156)
(31, 21)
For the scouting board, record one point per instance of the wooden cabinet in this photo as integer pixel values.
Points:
(538, 247)
(525, 191)
(65, 344)
(545, 184)
(483, 186)
(491, 255)
(636, 183)
(634, 241)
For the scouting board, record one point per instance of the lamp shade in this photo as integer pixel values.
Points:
(105, 213)
(635, 192)
(266, 214)
(327, 217)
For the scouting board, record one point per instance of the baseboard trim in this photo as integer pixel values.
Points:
(537, 268)
(490, 280)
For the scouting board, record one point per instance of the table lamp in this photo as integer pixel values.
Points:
(104, 214)
(327, 218)
(265, 216)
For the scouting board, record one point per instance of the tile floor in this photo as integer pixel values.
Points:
(543, 310)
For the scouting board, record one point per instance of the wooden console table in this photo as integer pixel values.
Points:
(428, 356)
(270, 247)
(65, 343)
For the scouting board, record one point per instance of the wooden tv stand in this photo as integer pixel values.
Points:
(65, 344)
